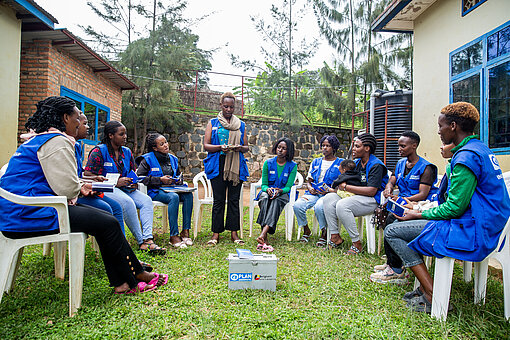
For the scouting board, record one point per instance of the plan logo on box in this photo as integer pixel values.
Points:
(240, 276)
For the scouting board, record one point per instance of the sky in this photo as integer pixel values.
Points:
(227, 29)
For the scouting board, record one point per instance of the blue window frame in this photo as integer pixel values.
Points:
(469, 5)
(97, 114)
(480, 74)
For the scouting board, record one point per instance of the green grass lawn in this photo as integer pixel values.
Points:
(320, 294)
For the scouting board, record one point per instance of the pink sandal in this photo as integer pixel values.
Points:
(155, 280)
(266, 248)
(140, 288)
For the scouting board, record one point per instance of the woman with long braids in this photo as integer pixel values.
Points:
(226, 168)
(111, 156)
(45, 165)
(162, 169)
(374, 177)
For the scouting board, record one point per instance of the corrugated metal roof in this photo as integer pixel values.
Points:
(399, 16)
(70, 43)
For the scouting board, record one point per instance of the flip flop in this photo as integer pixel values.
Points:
(420, 305)
(180, 245)
(155, 280)
(304, 238)
(152, 248)
(187, 241)
(140, 288)
(333, 245)
(411, 295)
(266, 248)
(352, 251)
(239, 242)
(321, 243)
(211, 243)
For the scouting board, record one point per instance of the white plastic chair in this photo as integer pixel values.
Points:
(443, 273)
(289, 211)
(11, 250)
(198, 203)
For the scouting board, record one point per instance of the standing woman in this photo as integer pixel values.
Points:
(46, 165)
(113, 157)
(226, 168)
(374, 177)
(162, 168)
(278, 175)
(324, 169)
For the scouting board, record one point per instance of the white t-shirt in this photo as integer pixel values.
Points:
(324, 167)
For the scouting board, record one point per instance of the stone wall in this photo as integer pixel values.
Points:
(188, 146)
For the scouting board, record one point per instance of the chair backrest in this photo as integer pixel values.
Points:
(201, 179)
(299, 180)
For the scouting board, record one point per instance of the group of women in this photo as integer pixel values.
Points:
(473, 201)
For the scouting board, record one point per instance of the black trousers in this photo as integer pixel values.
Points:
(270, 210)
(219, 188)
(120, 262)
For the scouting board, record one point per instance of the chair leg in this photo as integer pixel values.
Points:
(480, 283)
(200, 217)
(46, 249)
(59, 258)
(315, 224)
(165, 220)
(370, 234)
(442, 287)
(241, 215)
(505, 264)
(251, 210)
(379, 241)
(76, 266)
(16, 261)
(468, 269)
(298, 229)
(196, 212)
(9, 259)
(289, 221)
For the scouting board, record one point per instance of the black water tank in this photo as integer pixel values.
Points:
(400, 119)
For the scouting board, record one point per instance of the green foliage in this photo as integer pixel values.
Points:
(320, 294)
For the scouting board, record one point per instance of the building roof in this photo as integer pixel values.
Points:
(32, 16)
(70, 43)
(400, 15)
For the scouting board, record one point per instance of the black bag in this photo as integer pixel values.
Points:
(380, 216)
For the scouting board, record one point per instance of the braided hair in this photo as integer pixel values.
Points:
(110, 128)
(332, 140)
(150, 141)
(50, 113)
(369, 140)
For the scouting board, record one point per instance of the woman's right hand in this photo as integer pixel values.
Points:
(124, 181)
(225, 148)
(387, 192)
(311, 189)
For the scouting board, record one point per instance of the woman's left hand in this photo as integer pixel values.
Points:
(86, 190)
(410, 215)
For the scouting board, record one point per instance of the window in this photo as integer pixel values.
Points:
(480, 74)
(97, 114)
(469, 5)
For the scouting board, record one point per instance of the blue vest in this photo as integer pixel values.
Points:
(410, 184)
(372, 160)
(155, 168)
(79, 155)
(272, 174)
(330, 175)
(475, 234)
(25, 177)
(109, 165)
(212, 162)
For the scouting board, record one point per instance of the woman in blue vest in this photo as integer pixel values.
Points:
(278, 175)
(322, 170)
(468, 224)
(113, 157)
(415, 178)
(162, 168)
(45, 165)
(374, 177)
(225, 166)
(97, 201)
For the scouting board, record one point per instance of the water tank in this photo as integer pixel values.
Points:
(392, 115)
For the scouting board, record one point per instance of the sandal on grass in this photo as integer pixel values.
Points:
(239, 242)
(266, 248)
(155, 280)
(321, 243)
(146, 267)
(411, 295)
(152, 248)
(333, 245)
(352, 251)
(304, 238)
(211, 243)
(420, 304)
(140, 288)
(187, 241)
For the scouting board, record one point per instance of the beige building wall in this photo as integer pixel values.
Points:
(10, 42)
(437, 32)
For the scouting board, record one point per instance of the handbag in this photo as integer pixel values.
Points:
(380, 216)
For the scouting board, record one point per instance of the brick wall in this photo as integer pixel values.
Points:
(44, 68)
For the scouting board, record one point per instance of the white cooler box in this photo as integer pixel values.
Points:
(256, 273)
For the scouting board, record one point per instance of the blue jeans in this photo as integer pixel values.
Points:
(399, 234)
(106, 204)
(306, 202)
(130, 201)
(173, 199)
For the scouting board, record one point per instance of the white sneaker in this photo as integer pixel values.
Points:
(380, 267)
(389, 276)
